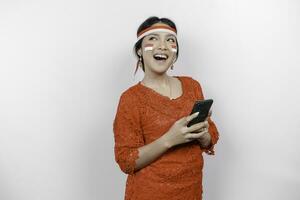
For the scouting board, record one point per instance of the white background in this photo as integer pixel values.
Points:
(64, 64)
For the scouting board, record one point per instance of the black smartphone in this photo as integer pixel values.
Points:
(203, 107)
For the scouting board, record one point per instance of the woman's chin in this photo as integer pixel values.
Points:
(160, 65)
(160, 68)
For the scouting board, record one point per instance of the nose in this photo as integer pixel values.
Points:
(162, 45)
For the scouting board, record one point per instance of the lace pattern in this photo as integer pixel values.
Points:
(127, 133)
(143, 116)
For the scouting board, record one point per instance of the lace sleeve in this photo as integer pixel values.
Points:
(127, 134)
(213, 131)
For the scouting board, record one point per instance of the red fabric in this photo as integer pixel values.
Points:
(143, 115)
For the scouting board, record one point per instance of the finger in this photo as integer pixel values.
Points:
(206, 124)
(194, 135)
(204, 127)
(199, 130)
(197, 126)
(192, 116)
(209, 114)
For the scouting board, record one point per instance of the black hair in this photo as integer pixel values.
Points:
(146, 24)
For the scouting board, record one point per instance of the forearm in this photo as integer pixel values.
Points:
(150, 152)
(210, 139)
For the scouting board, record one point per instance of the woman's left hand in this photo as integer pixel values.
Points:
(205, 139)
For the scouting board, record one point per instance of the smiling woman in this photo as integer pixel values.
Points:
(153, 145)
(148, 35)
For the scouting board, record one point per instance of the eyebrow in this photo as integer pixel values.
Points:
(158, 35)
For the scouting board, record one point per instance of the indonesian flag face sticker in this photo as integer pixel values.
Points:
(173, 48)
(148, 47)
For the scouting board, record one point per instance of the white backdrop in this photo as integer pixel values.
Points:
(65, 63)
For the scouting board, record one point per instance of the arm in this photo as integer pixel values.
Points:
(137, 158)
(150, 152)
(209, 140)
(130, 150)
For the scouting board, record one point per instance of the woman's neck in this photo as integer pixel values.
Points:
(156, 80)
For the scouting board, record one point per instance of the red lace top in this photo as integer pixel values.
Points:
(143, 115)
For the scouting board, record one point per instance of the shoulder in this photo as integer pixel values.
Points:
(129, 95)
(190, 80)
(193, 86)
(128, 105)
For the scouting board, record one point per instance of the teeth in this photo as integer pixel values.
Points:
(161, 56)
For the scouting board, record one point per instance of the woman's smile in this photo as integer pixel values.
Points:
(160, 57)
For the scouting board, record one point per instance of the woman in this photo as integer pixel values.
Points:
(153, 145)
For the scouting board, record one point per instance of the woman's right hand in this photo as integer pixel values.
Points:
(179, 132)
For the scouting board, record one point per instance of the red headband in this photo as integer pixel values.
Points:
(155, 28)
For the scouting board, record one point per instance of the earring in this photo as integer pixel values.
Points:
(140, 61)
(138, 64)
(172, 64)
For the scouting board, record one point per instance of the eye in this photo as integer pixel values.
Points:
(171, 39)
(152, 38)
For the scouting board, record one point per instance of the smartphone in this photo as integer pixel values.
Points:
(203, 107)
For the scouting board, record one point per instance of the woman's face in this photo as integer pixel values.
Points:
(158, 51)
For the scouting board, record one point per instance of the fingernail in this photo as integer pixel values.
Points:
(197, 113)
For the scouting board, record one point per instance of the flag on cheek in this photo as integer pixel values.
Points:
(148, 47)
(174, 48)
